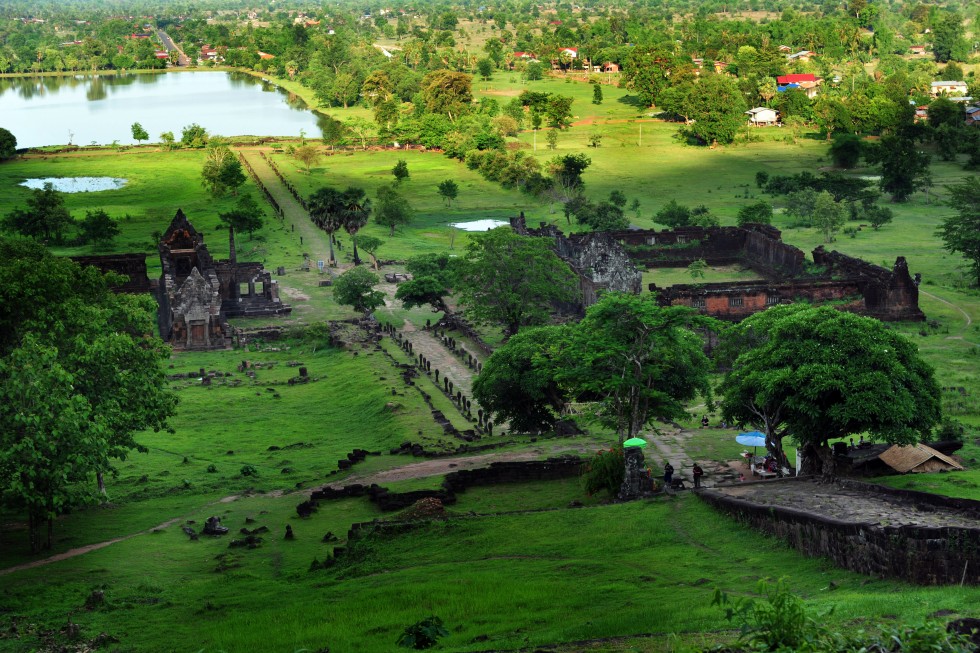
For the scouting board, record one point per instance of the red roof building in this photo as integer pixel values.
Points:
(796, 79)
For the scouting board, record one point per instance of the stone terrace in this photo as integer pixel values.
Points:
(850, 503)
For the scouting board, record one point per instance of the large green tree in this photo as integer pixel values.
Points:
(391, 209)
(432, 280)
(512, 280)
(45, 217)
(904, 167)
(245, 217)
(639, 360)
(961, 232)
(222, 171)
(717, 107)
(82, 374)
(447, 92)
(820, 374)
(519, 382)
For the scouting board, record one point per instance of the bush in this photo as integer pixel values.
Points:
(759, 212)
(950, 429)
(781, 622)
(605, 471)
(423, 634)
(249, 470)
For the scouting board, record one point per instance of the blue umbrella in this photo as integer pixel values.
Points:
(751, 439)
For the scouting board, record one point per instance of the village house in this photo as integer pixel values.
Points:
(610, 67)
(209, 53)
(922, 113)
(973, 116)
(265, 55)
(807, 82)
(917, 50)
(947, 88)
(762, 116)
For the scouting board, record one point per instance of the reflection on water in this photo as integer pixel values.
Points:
(102, 108)
(76, 184)
(479, 225)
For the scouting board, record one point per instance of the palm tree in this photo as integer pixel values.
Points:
(355, 212)
(326, 209)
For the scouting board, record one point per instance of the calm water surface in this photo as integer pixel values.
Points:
(86, 109)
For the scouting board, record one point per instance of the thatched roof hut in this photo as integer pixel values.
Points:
(917, 459)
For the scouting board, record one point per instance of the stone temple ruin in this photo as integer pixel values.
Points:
(196, 294)
(609, 261)
(596, 258)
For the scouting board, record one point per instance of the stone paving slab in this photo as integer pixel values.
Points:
(831, 500)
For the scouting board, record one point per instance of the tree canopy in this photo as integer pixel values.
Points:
(355, 288)
(512, 280)
(8, 144)
(820, 374)
(46, 218)
(961, 232)
(80, 374)
(629, 360)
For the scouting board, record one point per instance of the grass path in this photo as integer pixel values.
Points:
(314, 241)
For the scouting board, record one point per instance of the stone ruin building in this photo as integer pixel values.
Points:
(596, 258)
(196, 294)
(609, 261)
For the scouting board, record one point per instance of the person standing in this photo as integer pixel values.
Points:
(668, 474)
(698, 473)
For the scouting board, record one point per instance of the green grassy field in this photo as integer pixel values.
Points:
(499, 582)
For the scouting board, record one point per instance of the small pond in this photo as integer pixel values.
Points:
(77, 184)
(479, 225)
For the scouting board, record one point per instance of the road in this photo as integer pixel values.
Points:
(168, 43)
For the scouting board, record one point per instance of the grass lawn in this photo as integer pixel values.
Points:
(498, 582)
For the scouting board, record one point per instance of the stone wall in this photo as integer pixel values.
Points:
(888, 294)
(756, 246)
(917, 554)
(456, 482)
(739, 299)
(131, 266)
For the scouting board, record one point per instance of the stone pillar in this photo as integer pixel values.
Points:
(637, 481)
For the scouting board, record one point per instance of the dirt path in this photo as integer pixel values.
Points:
(967, 320)
(71, 553)
(426, 344)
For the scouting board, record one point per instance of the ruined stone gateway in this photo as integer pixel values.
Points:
(609, 261)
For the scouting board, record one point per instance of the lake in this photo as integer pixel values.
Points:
(86, 109)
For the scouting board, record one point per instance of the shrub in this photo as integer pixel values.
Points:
(423, 634)
(950, 429)
(249, 470)
(605, 471)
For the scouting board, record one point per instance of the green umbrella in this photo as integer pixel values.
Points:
(635, 442)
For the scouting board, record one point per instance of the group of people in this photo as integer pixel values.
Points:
(697, 472)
